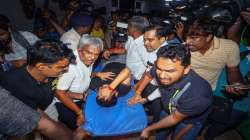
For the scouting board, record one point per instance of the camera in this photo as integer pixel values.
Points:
(121, 32)
(220, 12)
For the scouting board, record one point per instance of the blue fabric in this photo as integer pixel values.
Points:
(240, 104)
(117, 120)
(175, 40)
(6, 66)
(98, 67)
(190, 135)
(52, 35)
(80, 19)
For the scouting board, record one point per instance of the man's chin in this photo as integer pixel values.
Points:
(166, 83)
(89, 63)
(192, 49)
(149, 50)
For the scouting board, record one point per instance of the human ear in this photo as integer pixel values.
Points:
(187, 69)
(209, 38)
(41, 66)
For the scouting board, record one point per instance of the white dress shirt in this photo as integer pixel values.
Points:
(137, 56)
(20, 52)
(77, 79)
(71, 38)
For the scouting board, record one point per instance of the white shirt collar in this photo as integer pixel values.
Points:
(139, 40)
(163, 44)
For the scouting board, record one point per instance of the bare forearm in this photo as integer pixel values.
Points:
(58, 28)
(74, 95)
(67, 101)
(66, 18)
(163, 123)
(234, 75)
(145, 80)
(94, 74)
(52, 129)
(123, 75)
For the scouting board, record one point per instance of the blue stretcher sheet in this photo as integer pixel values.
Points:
(120, 119)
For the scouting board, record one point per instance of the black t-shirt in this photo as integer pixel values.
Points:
(195, 102)
(23, 86)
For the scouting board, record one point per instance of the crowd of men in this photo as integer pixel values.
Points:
(177, 70)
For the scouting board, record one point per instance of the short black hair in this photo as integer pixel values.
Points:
(4, 26)
(108, 103)
(176, 51)
(122, 89)
(159, 30)
(4, 19)
(5, 49)
(202, 26)
(48, 51)
(2, 47)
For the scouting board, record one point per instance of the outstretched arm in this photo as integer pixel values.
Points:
(139, 87)
(108, 90)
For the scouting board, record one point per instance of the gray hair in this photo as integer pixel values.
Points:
(88, 40)
(139, 22)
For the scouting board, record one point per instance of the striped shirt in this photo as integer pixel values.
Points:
(223, 52)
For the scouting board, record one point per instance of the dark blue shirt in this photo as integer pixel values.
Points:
(195, 102)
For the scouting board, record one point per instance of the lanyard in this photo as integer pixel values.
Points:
(170, 102)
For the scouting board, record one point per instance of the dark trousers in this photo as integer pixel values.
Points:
(67, 116)
(154, 107)
(191, 134)
(215, 129)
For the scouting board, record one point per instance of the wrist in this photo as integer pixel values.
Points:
(79, 113)
(111, 88)
(137, 93)
(97, 74)
(148, 129)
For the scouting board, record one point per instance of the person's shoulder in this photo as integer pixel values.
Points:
(66, 36)
(13, 78)
(228, 44)
(28, 34)
(199, 90)
(15, 73)
(199, 82)
(72, 70)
